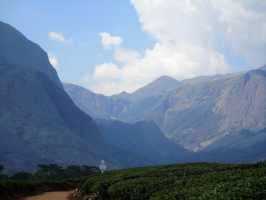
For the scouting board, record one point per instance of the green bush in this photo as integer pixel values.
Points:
(201, 181)
(47, 178)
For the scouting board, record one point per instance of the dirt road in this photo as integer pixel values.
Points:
(51, 196)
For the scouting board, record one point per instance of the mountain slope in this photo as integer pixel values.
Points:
(143, 139)
(127, 107)
(196, 115)
(198, 112)
(39, 123)
(96, 105)
(158, 87)
(17, 50)
(244, 146)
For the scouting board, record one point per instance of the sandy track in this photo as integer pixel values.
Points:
(51, 196)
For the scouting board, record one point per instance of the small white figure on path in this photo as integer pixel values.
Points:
(102, 166)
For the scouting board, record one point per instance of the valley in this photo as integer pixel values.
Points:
(177, 112)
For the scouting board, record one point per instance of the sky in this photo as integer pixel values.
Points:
(110, 46)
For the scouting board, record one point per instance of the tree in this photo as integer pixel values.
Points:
(2, 175)
(103, 192)
(51, 171)
(73, 171)
(23, 176)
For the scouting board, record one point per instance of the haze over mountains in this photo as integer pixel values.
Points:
(142, 138)
(44, 121)
(39, 123)
(197, 114)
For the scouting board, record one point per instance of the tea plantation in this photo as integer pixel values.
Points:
(199, 181)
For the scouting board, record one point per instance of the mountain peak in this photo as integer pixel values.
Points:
(17, 50)
(263, 67)
(157, 87)
(165, 78)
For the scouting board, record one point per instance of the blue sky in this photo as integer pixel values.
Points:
(111, 46)
(79, 22)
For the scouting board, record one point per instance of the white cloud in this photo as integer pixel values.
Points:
(125, 56)
(54, 61)
(193, 37)
(109, 40)
(235, 26)
(107, 71)
(59, 37)
(135, 71)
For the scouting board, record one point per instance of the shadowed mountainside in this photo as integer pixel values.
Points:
(39, 123)
(194, 113)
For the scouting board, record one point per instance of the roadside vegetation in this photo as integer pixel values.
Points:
(46, 178)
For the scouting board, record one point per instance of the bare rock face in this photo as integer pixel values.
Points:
(242, 103)
(198, 112)
(201, 114)
(39, 123)
(96, 105)
(17, 50)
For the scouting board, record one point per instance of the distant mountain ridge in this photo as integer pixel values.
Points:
(199, 112)
(40, 124)
(144, 139)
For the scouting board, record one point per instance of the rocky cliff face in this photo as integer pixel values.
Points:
(39, 123)
(96, 105)
(198, 112)
(17, 50)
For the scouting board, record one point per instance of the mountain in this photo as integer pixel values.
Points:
(17, 50)
(244, 146)
(158, 87)
(199, 112)
(96, 105)
(127, 107)
(144, 139)
(39, 123)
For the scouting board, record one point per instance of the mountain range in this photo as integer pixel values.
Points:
(144, 139)
(39, 122)
(213, 118)
(199, 114)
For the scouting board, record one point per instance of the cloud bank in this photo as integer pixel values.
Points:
(193, 37)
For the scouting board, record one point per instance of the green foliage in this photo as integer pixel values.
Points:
(52, 171)
(46, 178)
(1, 168)
(201, 181)
(2, 176)
(22, 176)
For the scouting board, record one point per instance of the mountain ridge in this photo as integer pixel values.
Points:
(39, 123)
(198, 111)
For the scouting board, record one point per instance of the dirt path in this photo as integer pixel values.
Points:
(51, 196)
